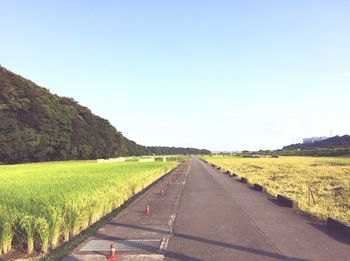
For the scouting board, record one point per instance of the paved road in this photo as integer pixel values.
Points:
(221, 219)
(216, 218)
(132, 224)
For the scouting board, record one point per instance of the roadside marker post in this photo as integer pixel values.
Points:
(310, 194)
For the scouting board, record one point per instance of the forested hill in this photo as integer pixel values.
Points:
(333, 142)
(36, 125)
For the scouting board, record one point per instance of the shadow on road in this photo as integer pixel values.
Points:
(179, 256)
(171, 254)
(318, 225)
(333, 234)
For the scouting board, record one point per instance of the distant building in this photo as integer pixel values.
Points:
(313, 139)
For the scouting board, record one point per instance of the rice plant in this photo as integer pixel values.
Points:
(44, 204)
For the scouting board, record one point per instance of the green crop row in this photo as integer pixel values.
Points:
(45, 204)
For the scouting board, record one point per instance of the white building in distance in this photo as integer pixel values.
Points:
(313, 139)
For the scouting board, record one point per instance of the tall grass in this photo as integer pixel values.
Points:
(329, 178)
(45, 204)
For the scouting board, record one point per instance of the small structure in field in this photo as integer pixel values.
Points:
(146, 159)
(121, 159)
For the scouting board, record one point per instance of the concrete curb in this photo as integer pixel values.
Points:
(332, 223)
(338, 226)
(287, 201)
(243, 180)
(258, 187)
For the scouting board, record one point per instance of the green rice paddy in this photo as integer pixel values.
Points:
(45, 204)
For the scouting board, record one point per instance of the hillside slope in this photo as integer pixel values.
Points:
(36, 125)
(336, 141)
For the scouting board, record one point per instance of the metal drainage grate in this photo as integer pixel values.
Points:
(123, 245)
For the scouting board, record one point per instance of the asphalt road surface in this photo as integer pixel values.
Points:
(221, 219)
(133, 224)
(207, 215)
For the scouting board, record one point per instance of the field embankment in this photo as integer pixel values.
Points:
(329, 179)
(43, 205)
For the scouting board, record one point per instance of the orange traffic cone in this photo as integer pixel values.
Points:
(147, 210)
(112, 253)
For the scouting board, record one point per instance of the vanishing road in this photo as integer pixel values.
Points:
(209, 216)
(221, 219)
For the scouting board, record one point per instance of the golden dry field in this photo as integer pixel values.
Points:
(329, 178)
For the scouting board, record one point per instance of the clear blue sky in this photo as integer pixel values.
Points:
(222, 75)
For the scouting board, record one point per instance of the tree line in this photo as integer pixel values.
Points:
(332, 142)
(36, 125)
